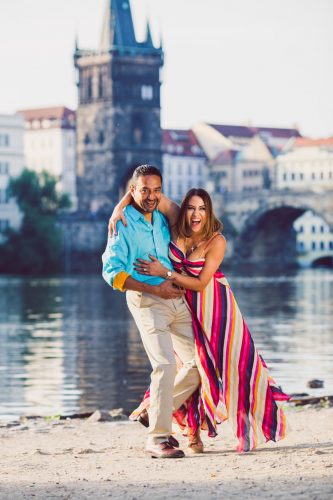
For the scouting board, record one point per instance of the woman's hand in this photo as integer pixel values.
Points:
(151, 267)
(117, 215)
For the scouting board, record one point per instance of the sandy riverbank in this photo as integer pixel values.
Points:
(76, 459)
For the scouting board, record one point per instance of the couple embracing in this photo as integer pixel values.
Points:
(205, 367)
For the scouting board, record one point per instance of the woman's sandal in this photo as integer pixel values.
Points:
(195, 445)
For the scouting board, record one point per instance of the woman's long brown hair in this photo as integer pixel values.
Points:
(212, 224)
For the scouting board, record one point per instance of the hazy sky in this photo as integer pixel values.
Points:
(266, 62)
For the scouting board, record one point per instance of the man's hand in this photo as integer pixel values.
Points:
(168, 291)
(117, 215)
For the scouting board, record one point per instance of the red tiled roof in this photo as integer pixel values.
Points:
(224, 157)
(181, 143)
(302, 142)
(57, 113)
(249, 131)
(234, 130)
(284, 133)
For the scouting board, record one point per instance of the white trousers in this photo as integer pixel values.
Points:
(165, 326)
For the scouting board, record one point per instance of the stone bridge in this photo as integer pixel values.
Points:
(263, 222)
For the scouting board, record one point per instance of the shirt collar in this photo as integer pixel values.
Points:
(134, 213)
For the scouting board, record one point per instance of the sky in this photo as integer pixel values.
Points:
(260, 62)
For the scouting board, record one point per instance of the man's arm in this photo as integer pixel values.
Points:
(115, 269)
(165, 290)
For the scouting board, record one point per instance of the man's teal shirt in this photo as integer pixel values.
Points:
(139, 239)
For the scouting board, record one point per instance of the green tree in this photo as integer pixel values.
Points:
(36, 247)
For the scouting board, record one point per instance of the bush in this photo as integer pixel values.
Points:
(36, 247)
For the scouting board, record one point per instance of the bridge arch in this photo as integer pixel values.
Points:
(267, 236)
(323, 261)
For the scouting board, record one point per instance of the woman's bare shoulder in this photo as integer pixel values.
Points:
(220, 240)
(218, 243)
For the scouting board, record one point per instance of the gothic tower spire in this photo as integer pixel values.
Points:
(118, 116)
(118, 28)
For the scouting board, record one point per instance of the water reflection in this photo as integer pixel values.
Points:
(70, 344)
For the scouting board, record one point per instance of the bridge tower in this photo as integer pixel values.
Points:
(118, 116)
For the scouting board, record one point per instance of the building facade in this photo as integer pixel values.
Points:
(118, 116)
(242, 158)
(308, 165)
(11, 165)
(49, 144)
(184, 163)
(314, 239)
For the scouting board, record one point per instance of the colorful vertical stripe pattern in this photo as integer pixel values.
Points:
(235, 383)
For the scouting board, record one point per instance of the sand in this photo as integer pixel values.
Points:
(76, 459)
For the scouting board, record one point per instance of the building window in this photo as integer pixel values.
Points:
(301, 229)
(292, 176)
(313, 245)
(87, 139)
(313, 229)
(284, 177)
(146, 92)
(322, 229)
(321, 175)
(300, 245)
(330, 245)
(4, 168)
(322, 245)
(301, 176)
(4, 139)
(4, 225)
(4, 198)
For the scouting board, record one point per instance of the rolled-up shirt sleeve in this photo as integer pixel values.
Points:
(115, 260)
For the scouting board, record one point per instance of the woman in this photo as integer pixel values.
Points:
(235, 383)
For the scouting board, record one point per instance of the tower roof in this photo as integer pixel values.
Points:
(118, 29)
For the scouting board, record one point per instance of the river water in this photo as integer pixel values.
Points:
(69, 344)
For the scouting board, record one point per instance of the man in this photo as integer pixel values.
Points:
(158, 307)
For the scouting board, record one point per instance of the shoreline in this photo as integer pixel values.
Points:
(81, 459)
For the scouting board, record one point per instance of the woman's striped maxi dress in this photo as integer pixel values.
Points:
(235, 383)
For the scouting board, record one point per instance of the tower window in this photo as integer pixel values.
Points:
(137, 129)
(146, 92)
(101, 137)
(89, 87)
(100, 85)
(87, 139)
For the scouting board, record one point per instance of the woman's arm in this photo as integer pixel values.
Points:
(168, 208)
(213, 259)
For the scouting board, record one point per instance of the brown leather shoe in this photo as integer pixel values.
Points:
(164, 450)
(143, 418)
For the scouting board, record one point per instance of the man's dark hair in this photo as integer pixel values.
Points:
(143, 170)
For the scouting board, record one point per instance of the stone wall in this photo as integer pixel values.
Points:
(84, 238)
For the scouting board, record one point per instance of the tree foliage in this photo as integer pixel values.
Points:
(36, 247)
